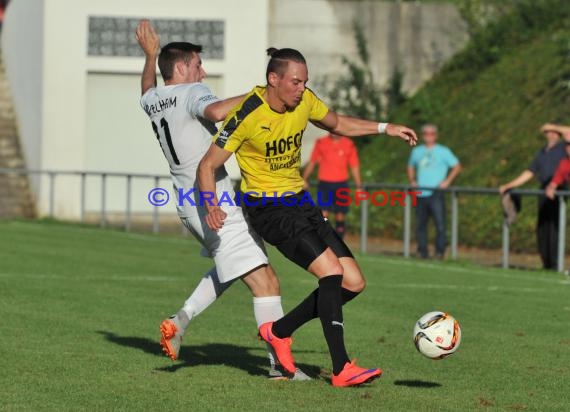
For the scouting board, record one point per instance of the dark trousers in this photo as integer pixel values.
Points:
(547, 232)
(433, 206)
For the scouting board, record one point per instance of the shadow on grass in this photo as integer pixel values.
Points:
(234, 356)
(417, 384)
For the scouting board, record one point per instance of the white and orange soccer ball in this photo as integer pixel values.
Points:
(437, 335)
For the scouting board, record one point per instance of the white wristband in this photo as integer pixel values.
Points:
(382, 127)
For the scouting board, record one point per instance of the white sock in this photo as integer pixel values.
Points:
(206, 293)
(267, 309)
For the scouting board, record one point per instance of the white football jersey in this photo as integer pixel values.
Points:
(176, 113)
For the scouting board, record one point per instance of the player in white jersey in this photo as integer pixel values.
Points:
(182, 113)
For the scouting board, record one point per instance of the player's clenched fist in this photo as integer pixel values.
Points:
(215, 218)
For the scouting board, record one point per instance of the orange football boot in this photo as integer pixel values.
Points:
(281, 346)
(352, 375)
(171, 338)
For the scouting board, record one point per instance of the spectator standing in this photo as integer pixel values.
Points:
(543, 167)
(431, 165)
(335, 155)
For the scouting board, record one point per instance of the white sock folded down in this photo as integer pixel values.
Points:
(268, 309)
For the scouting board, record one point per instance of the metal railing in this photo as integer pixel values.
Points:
(53, 174)
(364, 211)
(455, 192)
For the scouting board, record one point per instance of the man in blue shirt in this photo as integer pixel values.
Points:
(431, 165)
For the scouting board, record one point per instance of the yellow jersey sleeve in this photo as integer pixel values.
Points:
(318, 108)
(234, 130)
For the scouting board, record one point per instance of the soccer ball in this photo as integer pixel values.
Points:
(437, 335)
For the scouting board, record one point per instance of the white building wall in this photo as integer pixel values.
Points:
(45, 44)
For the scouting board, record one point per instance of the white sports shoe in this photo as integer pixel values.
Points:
(172, 333)
(278, 373)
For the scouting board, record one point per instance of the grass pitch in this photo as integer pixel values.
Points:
(80, 309)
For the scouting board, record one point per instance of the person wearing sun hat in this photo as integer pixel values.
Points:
(543, 167)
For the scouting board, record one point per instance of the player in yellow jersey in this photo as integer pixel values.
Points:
(265, 132)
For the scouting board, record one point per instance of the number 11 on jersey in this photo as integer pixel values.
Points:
(168, 138)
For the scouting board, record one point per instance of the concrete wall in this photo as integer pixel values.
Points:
(415, 37)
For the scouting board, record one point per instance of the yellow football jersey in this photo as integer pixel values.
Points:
(267, 144)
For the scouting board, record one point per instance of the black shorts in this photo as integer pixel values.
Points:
(328, 199)
(295, 227)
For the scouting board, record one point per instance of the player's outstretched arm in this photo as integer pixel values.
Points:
(213, 159)
(352, 126)
(216, 112)
(150, 43)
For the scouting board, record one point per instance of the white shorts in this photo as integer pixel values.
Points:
(235, 248)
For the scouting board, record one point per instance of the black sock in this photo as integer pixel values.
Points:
(329, 304)
(348, 295)
(304, 312)
(297, 317)
(340, 228)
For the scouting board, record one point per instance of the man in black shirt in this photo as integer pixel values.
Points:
(543, 167)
